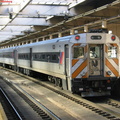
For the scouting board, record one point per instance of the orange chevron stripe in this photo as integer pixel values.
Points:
(85, 76)
(74, 61)
(76, 44)
(113, 44)
(79, 69)
(111, 67)
(116, 60)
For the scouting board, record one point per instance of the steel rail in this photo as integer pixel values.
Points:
(11, 104)
(46, 110)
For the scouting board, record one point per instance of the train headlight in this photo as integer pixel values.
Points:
(113, 38)
(109, 72)
(77, 37)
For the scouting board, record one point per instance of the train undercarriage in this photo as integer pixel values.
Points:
(85, 87)
(93, 86)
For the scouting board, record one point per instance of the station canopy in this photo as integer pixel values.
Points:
(27, 19)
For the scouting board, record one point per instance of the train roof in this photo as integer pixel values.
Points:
(66, 38)
(70, 38)
(55, 40)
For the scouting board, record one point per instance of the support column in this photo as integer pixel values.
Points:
(60, 35)
(43, 38)
(85, 28)
(104, 24)
(72, 32)
(51, 37)
(37, 40)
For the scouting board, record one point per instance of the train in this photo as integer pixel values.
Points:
(86, 63)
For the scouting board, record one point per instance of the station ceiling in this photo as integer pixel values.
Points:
(28, 19)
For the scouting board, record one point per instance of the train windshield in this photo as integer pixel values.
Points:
(95, 52)
(112, 52)
(96, 60)
(78, 52)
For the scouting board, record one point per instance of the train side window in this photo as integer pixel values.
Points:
(39, 56)
(35, 56)
(112, 52)
(54, 57)
(27, 56)
(78, 52)
(19, 56)
(48, 57)
(43, 56)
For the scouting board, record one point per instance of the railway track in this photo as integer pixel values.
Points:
(105, 113)
(108, 104)
(41, 110)
(99, 110)
(10, 109)
(113, 103)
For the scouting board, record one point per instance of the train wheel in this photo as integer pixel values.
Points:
(49, 78)
(56, 82)
(53, 80)
(59, 82)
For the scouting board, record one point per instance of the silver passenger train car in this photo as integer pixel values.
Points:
(85, 63)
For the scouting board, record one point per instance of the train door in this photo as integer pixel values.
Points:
(31, 57)
(66, 64)
(96, 60)
(15, 59)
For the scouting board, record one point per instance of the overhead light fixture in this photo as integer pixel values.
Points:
(110, 31)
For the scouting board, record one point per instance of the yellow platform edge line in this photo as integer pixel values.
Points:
(2, 113)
